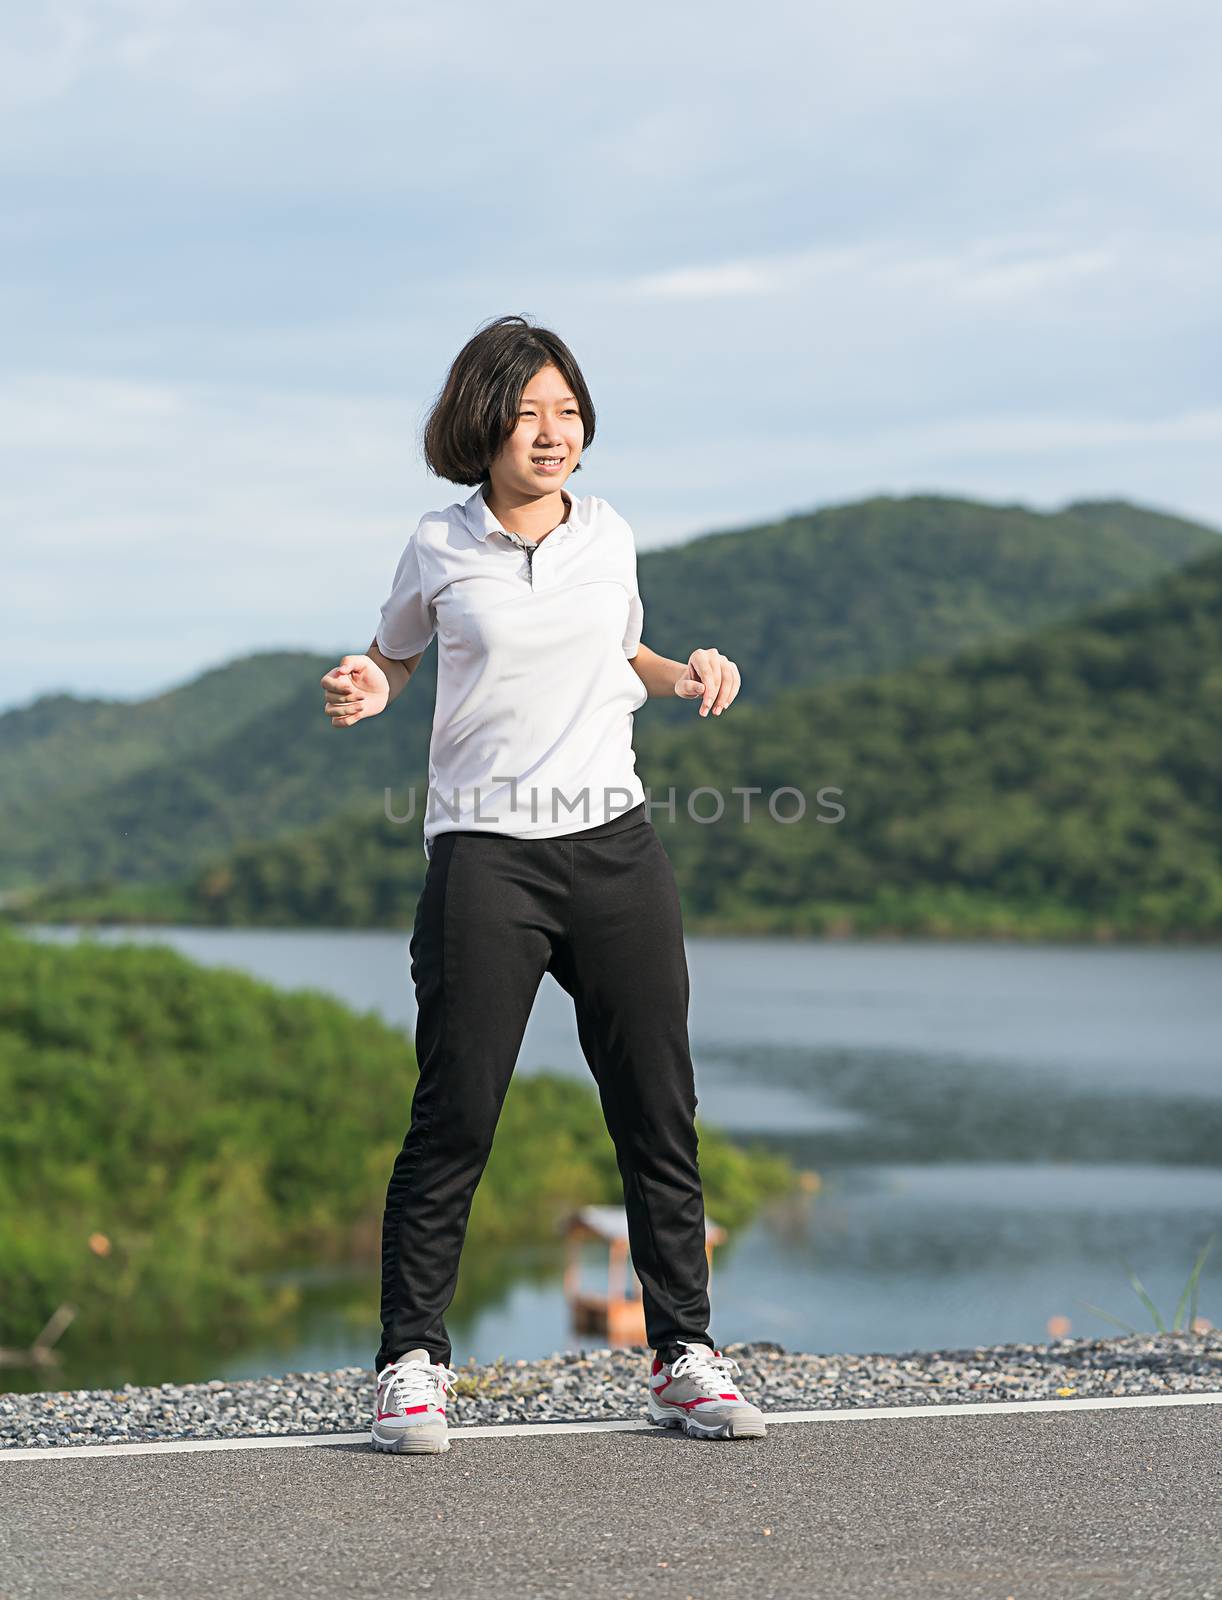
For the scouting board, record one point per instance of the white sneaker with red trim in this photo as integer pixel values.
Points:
(410, 1410)
(695, 1392)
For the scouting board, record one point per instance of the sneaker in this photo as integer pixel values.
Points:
(410, 1412)
(695, 1392)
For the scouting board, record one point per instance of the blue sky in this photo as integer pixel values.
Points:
(803, 256)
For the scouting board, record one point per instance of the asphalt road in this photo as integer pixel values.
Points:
(1121, 1503)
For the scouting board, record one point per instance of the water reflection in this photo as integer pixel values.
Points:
(835, 1106)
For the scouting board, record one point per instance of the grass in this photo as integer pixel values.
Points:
(1186, 1309)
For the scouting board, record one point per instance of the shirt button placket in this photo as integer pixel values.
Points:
(528, 550)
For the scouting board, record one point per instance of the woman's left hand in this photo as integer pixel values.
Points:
(711, 678)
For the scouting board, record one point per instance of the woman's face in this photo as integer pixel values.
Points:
(550, 429)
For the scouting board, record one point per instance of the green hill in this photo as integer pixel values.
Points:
(61, 743)
(858, 589)
(172, 1132)
(1066, 784)
(149, 794)
(259, 776)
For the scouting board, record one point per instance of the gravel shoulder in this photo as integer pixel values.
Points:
(608, 1385)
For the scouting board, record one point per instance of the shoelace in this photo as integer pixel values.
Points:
(700, 1365)
(414, 1382)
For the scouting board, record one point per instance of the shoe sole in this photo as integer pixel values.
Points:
(418, 1441)
(732, 1428)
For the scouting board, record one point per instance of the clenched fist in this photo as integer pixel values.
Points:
(356, 688)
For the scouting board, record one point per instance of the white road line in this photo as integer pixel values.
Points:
(535, 1429)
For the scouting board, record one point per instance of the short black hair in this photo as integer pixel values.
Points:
(477, 408)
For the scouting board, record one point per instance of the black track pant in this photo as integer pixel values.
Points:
(599, 909)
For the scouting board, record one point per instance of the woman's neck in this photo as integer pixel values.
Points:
(516, 517)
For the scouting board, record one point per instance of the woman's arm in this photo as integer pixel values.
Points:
(657, 673)
(706, 675)
(398, 670)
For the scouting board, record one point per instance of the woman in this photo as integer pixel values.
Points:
(541, 858)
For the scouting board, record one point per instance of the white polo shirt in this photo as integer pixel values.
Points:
(532, 727)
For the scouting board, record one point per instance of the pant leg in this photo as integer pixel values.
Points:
(623, 961)
(480, 946)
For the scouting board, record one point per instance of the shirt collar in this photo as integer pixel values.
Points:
(482, 522)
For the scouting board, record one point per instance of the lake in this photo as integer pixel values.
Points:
(998, 1129)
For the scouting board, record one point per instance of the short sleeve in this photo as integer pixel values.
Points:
(636, 620)
(408, 622)
(636, 608)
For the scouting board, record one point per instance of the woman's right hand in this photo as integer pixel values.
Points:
(355, 689)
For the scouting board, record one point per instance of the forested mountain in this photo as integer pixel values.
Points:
(1066, 783)
(148, 792)
(1070, 782)
(61, 744)
(857, 589)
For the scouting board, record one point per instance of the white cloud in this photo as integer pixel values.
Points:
(781, 274)
(137, 463)
(1017, 437)
(983, 270)
(804, 253)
